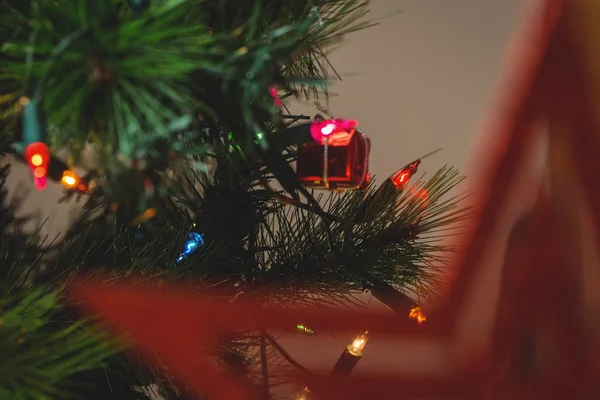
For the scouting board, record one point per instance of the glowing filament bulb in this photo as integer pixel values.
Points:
(194, 242)
(358, 344)
(400, 178)
(418, 314)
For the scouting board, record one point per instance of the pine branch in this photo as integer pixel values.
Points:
(20, 254)
(254, 243)
(39, 357)
(31, 308)
(299, 245)
(162, 94)
(137, 81)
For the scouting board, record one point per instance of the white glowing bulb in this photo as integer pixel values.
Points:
(358, 344)
(327, 129)
(69, 180)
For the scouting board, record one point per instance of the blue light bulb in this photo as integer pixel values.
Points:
(194, 242)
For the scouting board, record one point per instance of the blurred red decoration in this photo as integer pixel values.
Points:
(181, 327)
(543, 344)
(338, 159)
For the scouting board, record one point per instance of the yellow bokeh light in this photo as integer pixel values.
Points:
(36, 160)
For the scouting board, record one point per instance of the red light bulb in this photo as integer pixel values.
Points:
(38, 156)
(401, 177)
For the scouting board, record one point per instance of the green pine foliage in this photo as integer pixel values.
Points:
(141, 86)
(47, 351)
(174, 98)
(42, 354)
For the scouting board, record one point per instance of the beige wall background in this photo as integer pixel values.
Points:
(422, 79)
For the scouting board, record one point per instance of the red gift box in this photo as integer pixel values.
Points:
(339, 161)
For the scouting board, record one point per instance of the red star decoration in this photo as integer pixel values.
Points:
(543, 345)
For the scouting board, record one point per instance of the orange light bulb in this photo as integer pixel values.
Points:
(69, 179)
(418, 314)
(401, 177)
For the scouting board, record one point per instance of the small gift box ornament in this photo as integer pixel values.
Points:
(337, 159)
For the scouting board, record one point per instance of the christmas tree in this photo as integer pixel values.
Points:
(169, 119)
